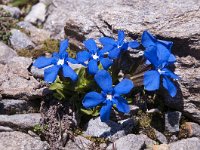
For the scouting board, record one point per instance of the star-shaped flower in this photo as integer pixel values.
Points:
(93, 56)
(158, 53)
(115, 47)
(57, 62)
(109, 96)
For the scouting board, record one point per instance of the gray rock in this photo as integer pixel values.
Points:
(20, 40)
(12, 106)
(109, 129)
(172, 120)
(15, 81)
(37, 73)
(6, 53)
(20, 121)
(161, 137)
(187, 99)
(46, 2)
(36, 35)
(131, 142)
(5, 129)
(78, 143)
(37, 14)
(186, 144)
(20, 141)
(14, 11)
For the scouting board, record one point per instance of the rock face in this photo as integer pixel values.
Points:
(6, 53)
(37, 35)
(180, 24)
(14, 11)
(20, 121)
(131, 142)
(37, 14)
(20, 40)
(20, 141)
(109, 129)
(15, 81)
(172, 120)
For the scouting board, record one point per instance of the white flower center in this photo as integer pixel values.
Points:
(60, 62)
(160, 71)
(95, 56)
(109, 97)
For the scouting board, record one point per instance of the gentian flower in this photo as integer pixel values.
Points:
(163, 48)
(158, 53)
(109, 96)
(93, 56)
(115, 47)
(57, 61)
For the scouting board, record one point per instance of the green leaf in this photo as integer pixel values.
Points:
(56, 86)
(92, 112)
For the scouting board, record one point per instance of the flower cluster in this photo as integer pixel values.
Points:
(157, 53)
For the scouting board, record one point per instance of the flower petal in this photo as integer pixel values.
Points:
(133, 44)
(107, 41)
(169, 86)
(51, 73)
(92, 66)
(148, 39)
(42, 62)
(172, 59)
(122, 105)
(151, 55)
(121, 37)
(105, 111)
(168, 44)
(105, 49)
(114, 53)
(151, 80)
(163, 53)
(104, 80)
(63, 46)
(92, 99)
(106, 63)
(72, 60)
(123, 87)
(82, 56)
(91, 45)
(170, 74)
(69, 72)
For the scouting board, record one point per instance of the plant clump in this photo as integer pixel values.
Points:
(6, 24)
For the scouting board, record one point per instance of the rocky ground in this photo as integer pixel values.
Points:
(31, 119)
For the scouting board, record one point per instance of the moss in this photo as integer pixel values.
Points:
(23, 3)
(48, 46)
(6, 24)
(144, 120)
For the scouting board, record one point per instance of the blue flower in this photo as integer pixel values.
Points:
(93, 56)
(109, 96)
(163, 48)
(114, 47)
(56, 62)
(158, 53)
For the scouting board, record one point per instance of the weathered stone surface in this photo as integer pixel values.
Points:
(15, 81)
(20, 141)
(37, 35)
(96, 18)
(187, 99)
(109, 129)
(5, 129)
(131, 142)
(20, 121)
(78, 143)
(37, 14)
(6, 53)
(20, 40)
(13, 106)
(14, 11)
(160, 137)
(172, 120)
